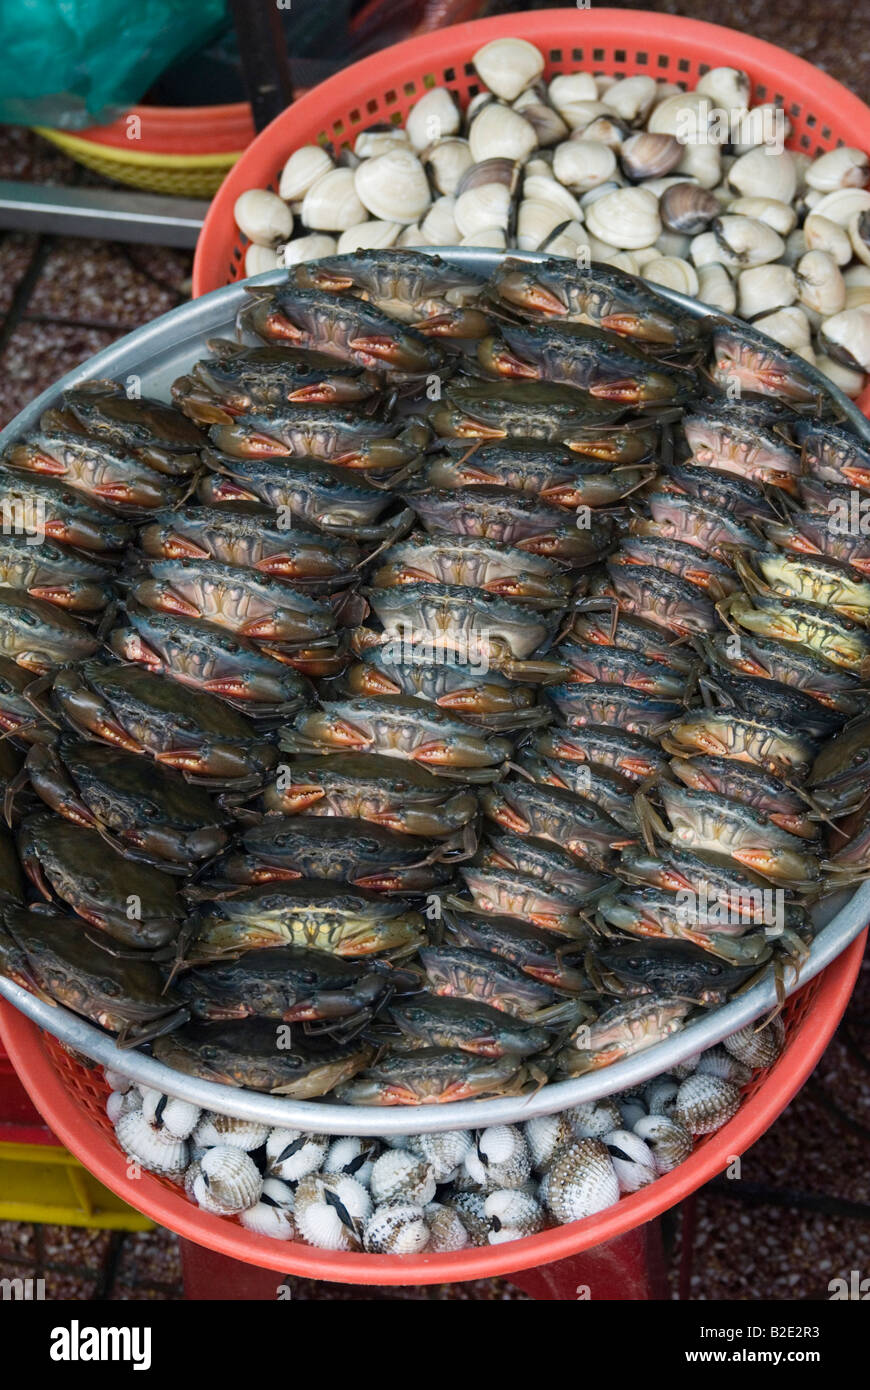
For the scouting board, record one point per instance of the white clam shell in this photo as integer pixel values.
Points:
(568, 241)
(703, 163)
(569, 88)
(259, 259)
(155, 1149)
(231, 1179)
(500, 132)
(704, 1103)
(482, 208)
(291, 1155)
(669, 1142)
(727, 88)
(214, 1129)
(272, 1215)
(402, 1176)
(630, 98)
(844, 167)
(682, 114)
(411, 236)
(780, 216)
(789, 326)
(544, 188)
(764, 126)
(822, 234)
(765, 288)
(535, 222)
(846, 338)
(716, 288)
(632, 1160)
(548, 124)
(627, 218)
(446, 161)
(307, 248)
(393, 187)
(438, 227)
(263, 217)
(370, 143)
(304, 167)
(843, 204)
(849, 381)
(512, 1215)
(673, 272)
(580, 1181)
(508, 66)
(859, 236)
(396, 1228)
(368, 235)
(331, 203)
(583, 164)
(822, 287)
(446, 1231)
(745, 242)
(433, 117)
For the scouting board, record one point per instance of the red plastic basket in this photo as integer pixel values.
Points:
(616, 43)
(71, 1097)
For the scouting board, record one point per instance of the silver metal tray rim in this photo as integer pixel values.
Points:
(154, 356)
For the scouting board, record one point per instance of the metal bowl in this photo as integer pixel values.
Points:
(151, 358)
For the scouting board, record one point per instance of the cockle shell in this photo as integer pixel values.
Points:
(396, 1228)
(630, 1106)
(263, 217)
(331, 1210)
(500, 1158)
(154, 1148)
(226, 1129)
(304, 167)
(660, 1095)
(272, 1215)
(446, 1231)
(400, 1176)
(229, 1181)
(627, 218)
(545, 1135)
(512, 1215)
(119, 1102)
(593, 1118)
(352, 1155)
(470, 1208)
(754, 1046)
(393, 187)
(117, 1081)
(669, 1142)
(179, 1117)
(717, 1062)
(580, 1181)
(508, 66)
(632, 1160)
(433, 117)
(705, 1103)
(443, 1152)
(291, 1155)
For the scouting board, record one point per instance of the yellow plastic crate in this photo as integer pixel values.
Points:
(44, 1182)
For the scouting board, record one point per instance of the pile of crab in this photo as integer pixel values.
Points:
(459, 686)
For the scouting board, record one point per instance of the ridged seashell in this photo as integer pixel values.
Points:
(757, 1047)
(580, 1181)
(843, 204)
(117, 1081)
(631, 98)
(331, 203)
(433, 117)
(686, 207)
(687, 1066)
(353, 1156)
(214, 1129)
(544, 1135)
(763, 173)
(627, 218)
(500, 132)
(366, 236)
(593, 1118)
(844, 167)
(307, 248)
(544, 119)
(155, 1149)
(645, 155)
(263, 217)
(400, 1176)
(632, 1160)
(179, 1117)
(118, 1103)
(331, 1211)
(660, 1095)
(446, 1231)
(705, 1103)
(780, 216)
(507, 66)
(273, 1215)
(512, 1215)
(228, 1182)
(191, 1173)
(583, 164)
(765, 288)
(673, 272)
(717, 1062)
(630, 1108)
(821, 234)
(500, 1158)
(393, 187)
(445, 1151)
(728, 88)
(470, 1208)
(445, 162)
(669, 1142)
(291, 1155)
(396, 1228)
(304, 167)
(438, 227)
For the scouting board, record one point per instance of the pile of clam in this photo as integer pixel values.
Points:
(691, 190)
(402, 1194)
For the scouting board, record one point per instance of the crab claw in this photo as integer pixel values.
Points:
(181, 548)
(379, 346)
(649, 328)
(344, 734)
(279, 326)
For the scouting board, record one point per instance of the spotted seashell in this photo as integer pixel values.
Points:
(227, 1131)
(717, 1062)
(397, 1141)
(661, 1095)
(118, 1081)
(500, 1158)
(757, 1047)
(446, 1231)
(331, 1210)
(633, 1161)
(153, 1148)
(545, 1135)
(396, 1228)
(444, 1152)
(594, 1118)
(669, 1141)
(512, 1215)
(273, 1214)
(687, 1067)
(229, 1181)
(469, 1206)
(705, 1103)
(580, 1181)
(291, 1155)
(352, 1155)
(179, 1117)
(400, 1176)
(118, 1103)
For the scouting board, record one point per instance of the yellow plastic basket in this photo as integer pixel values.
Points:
(44, 1182)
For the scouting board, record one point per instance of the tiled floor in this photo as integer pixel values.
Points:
(801, 1213)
